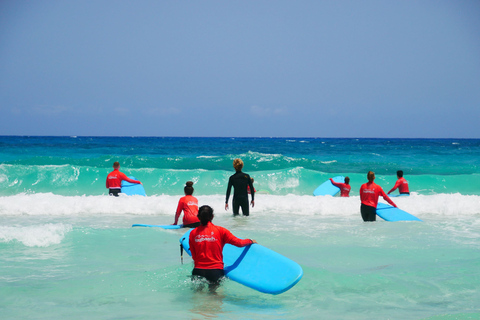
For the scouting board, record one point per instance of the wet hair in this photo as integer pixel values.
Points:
(371, 176)
(188, 188)
(347, 180)
(205, 215)
(400, 173)
(238, 164)
(116, 164)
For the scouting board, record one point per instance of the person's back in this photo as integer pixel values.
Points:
(115, 178)
(401, 184)
(240, 181)
(369, 193)
(206, 245)
(344, 187)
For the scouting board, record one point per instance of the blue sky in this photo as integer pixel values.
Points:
(393, 69)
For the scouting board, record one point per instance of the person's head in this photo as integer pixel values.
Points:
(252, 180)
(400, 173)
(116, 165)
(370, 176)
(347, 180)
(205, 215)
(188, 188)
(238, 164)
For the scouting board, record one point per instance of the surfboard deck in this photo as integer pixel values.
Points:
(257, 267)
(132, 189)
(398, 195)
(390, 213)
(327, 188)
(177, 226)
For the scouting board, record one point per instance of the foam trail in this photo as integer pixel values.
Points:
(37, 235)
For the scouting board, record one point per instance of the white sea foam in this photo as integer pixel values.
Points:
(48, 204)
(37, 235)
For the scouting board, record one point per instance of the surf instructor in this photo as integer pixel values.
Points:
(206, 245)
(369, 193)
(115, 178)
(240, 182)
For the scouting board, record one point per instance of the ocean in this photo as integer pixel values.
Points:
(69, 251)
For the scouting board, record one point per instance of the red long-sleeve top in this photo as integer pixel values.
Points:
(206, 245)
(114, 179)
(369, 193)
(344, 188)
(189, 205)
(402, 186)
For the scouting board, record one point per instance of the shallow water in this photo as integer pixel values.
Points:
(71, 254)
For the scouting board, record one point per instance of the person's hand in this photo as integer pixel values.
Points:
(253, 203)
(226, 206)
(254, 241)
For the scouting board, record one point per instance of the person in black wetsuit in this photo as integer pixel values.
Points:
(239, 181)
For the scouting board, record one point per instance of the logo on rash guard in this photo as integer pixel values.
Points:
(368, 191)
(203, 237)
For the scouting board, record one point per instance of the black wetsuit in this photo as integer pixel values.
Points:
(240, 181)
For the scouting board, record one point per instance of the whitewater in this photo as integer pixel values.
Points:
(68, 249)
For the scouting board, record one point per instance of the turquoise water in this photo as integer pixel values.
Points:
(68, 250)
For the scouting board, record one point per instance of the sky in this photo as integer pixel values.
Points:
(383, 69)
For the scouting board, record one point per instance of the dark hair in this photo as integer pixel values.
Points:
(188, 188)
(116, 164)
(400, 173)
(205, 214)
(347, 180)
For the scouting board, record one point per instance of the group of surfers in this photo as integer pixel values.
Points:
(207, 240)
(370, 192)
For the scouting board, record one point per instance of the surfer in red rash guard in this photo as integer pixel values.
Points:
(189, 205)
(369, 193)
(115, 178)
(206, 245)
(401, 184)
(344, 187)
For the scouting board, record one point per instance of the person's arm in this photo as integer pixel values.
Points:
(397, 184)
(123, 176)
(237, 242)
(250, 184)
(387, 198)
(179, 211)
(229, 189)
(336, 184)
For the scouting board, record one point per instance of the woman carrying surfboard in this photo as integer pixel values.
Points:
(189, 205)
(344, 187)
(206, 245)
(369, 193)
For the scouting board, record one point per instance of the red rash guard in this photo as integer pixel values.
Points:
(206, 245)
(369, 193)
(189, 205)
(114, 179)
(344, 188)
(402, 186)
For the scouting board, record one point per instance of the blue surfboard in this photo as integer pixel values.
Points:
(257, 267)
(399, 195)
(327, 188)
(390, 213)
(168, 226)
(132, 189)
